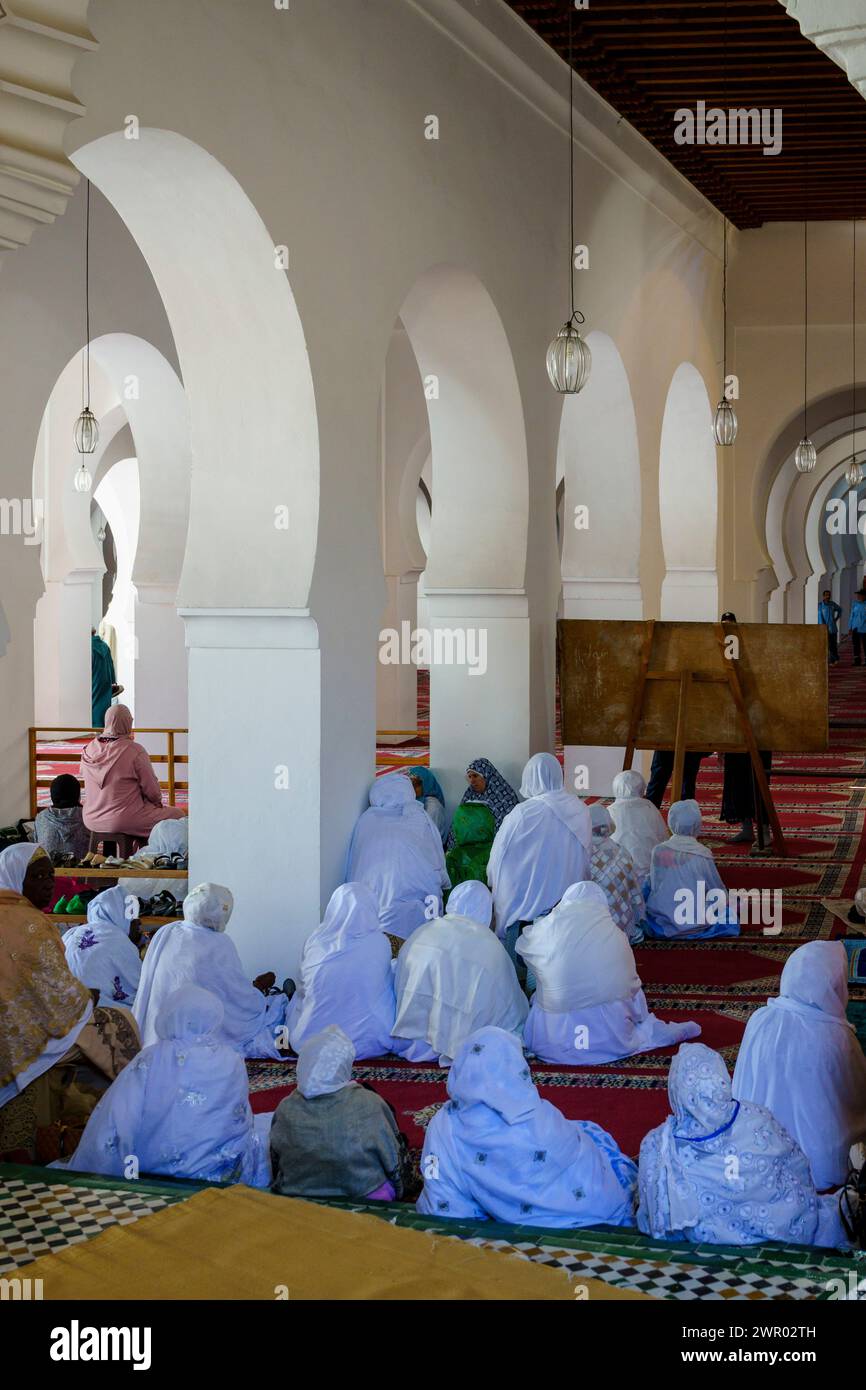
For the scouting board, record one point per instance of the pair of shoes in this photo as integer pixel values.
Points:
(289, 987)
(746, 835)
(164, 905)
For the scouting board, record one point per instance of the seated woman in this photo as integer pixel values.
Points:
(724, 1172)
(472, 832)
(332, 1137)
(687, 897)
(453, 977)
(540, 848)
(196, 951)
(60, 827)
(498, 1152)
(121, 792)
(181, 1108)
(638, 825)
(588, 1006)
(488, 786)
(397, 852)
(431, 796)
(612, 869)
(167, 837)
(346, 976)
(57, 1052)
(102, 953)
(801, 1060)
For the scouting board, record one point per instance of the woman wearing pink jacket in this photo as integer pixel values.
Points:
(121, 791)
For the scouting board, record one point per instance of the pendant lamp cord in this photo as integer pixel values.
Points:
(806, 290)
(725, 230)
(87, 297)
(576, 315)
(853, 338)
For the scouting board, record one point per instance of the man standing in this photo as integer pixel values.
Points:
(857, 625)
(829, 614)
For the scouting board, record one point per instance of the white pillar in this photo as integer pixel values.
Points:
(62, 635)
(397, 683)
(590, 770)
(161, 659)
(255, 722)
(480, 713)
(690, 594)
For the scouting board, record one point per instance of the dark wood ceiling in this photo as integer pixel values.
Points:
(648, 58)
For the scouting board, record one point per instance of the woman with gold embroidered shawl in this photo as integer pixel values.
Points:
(58, 1052)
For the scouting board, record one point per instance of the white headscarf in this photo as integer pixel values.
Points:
(167, 837)
(325, 1063)
(681, 871)
(346, 976)
(800, 1058)
(639, 825)
(540, 847)
(471, 899)
(14, 863)
(720, 1170)
(397, 852)
(578, 954)
(453, 976)
(684, 821)
(181, 1107)
(542, 778)
(99, 951)
(602, 825)
(209, 905)
(503, 1152)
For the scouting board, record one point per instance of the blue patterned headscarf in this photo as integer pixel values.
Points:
(499, 795)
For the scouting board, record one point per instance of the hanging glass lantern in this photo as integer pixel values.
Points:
(86, 432)
(569, 361)
(83, 481)
(805, 456)
(854, 474)
(725, 424)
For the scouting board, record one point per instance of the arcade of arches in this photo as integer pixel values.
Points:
(323, 278)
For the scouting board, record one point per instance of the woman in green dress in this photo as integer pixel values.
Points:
(472, 831)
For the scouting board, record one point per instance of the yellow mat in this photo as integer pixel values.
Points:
(237, 1243)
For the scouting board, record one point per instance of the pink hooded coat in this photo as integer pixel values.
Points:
(121, 791)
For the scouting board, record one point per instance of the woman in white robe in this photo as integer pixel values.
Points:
(588, 1006)
(687, 897)
(346, 977)
(541, 847)
(612, 869)
(197, 951)
(397, 852)
(723, 1171)
(99, 952)
(498, 1152)
(638, 825)
(801, 1060)
(181, 1108)
(453, 977)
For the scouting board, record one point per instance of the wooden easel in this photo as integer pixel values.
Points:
(728, 676)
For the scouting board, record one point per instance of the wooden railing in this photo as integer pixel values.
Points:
(36, 735)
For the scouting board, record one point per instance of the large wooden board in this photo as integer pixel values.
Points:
(782, 668)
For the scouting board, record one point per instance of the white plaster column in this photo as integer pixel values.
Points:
(161, 658)
(62, 634)
(617, 599)
(397, 683)
(255, 719)
(480, 712)
(690, 594)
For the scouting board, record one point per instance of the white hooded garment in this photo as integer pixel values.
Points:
(498, 1151)
(166, 837)
(346, 977)
(181, 1107)
(541, 846)
(683, 876)
(588, 1005)
(397, 852)
(197, 951)
(453, 977)
(99, 951)
(801, 1060)
(638, 825)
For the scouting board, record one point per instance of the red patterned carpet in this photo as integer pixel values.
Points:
(820, 800)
